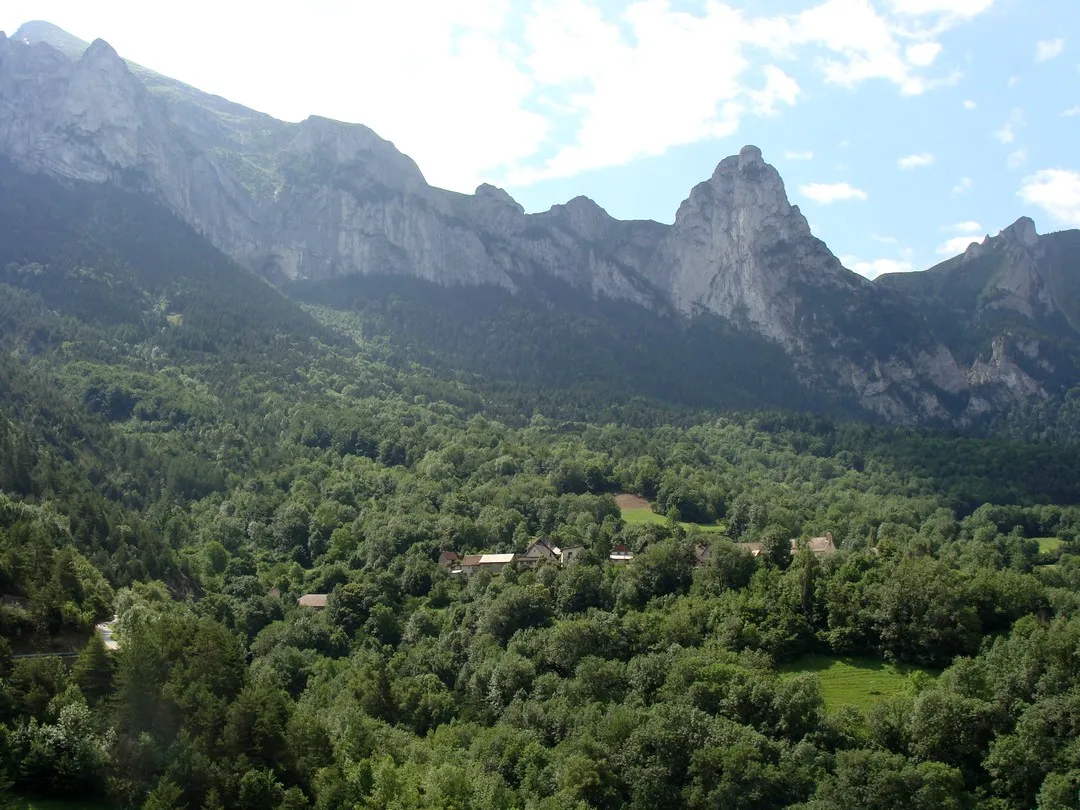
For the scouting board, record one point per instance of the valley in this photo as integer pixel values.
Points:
(760, 533)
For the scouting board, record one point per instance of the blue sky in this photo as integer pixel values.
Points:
(902, 128)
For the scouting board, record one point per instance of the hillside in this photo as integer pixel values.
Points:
(189, 448)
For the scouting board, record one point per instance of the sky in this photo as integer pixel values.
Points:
(903, 129)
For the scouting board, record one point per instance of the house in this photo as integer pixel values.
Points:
(701, 555)
(316, 601)
(471, 563)
(467, 565)
(755, 549)
(540, 550)
(568, 554)
(818, 546)
(495, 563)
(447, 559)
(620, 554)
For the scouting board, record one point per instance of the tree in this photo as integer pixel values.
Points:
(166, 795)
(776, 545)
(93, 670)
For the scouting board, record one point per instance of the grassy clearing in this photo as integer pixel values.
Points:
(636, 510)
(1048, 545)
(859, 682)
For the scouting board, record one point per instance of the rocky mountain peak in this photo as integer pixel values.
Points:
(39, 31)
(493, 198)
(746, 184)
(1022, 233)
(496, 211)
(358, 146)
(584, 217)
(496, 194)
(103, 58)
(738, 244)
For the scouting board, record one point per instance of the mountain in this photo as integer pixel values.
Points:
(320, 202)
(1017, 293)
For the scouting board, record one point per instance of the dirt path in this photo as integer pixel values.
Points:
(626, 501)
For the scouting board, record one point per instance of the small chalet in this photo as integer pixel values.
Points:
(569, 554)
(755, 549)
(541, 549)
(818, 546)
(701, 555)
(467, 565)
(620, 554)
(447, 559)
(316, 601)
(495, 563)
(471, 563)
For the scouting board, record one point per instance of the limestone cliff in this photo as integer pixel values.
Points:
(321, 199)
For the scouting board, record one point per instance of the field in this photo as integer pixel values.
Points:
(858, 682)
(636, 509)
(1048, 545)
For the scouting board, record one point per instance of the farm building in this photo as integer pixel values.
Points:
(540, 550)
(316, 601)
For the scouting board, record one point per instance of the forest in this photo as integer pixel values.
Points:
(188, 451)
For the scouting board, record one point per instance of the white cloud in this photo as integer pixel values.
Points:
(953, 8)
(779, 88)
(807, 155)
(1017, 159)
(1072, 112)
(1007, 134)
(915, 161)
(1012, 82)
(885, 240)
(1055, 191)
(963, 186)
(969, 104)
(626, 71)
(922, 54)
(1048, 49)
(967, 226)
(956, 245)
(968, 231)
(826, 193)
(877, 267)
(514, 93)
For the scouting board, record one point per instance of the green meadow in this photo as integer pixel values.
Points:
(859, 682)
(1048, 545)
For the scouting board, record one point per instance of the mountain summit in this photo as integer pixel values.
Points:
(321, 199)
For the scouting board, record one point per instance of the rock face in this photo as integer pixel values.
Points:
(321, 199)
(740, 250)
(1009, 307)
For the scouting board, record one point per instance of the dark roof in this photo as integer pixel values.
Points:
(543, 543)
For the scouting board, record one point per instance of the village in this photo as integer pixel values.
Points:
(543, 550)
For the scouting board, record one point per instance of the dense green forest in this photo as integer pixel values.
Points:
(186, 449)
